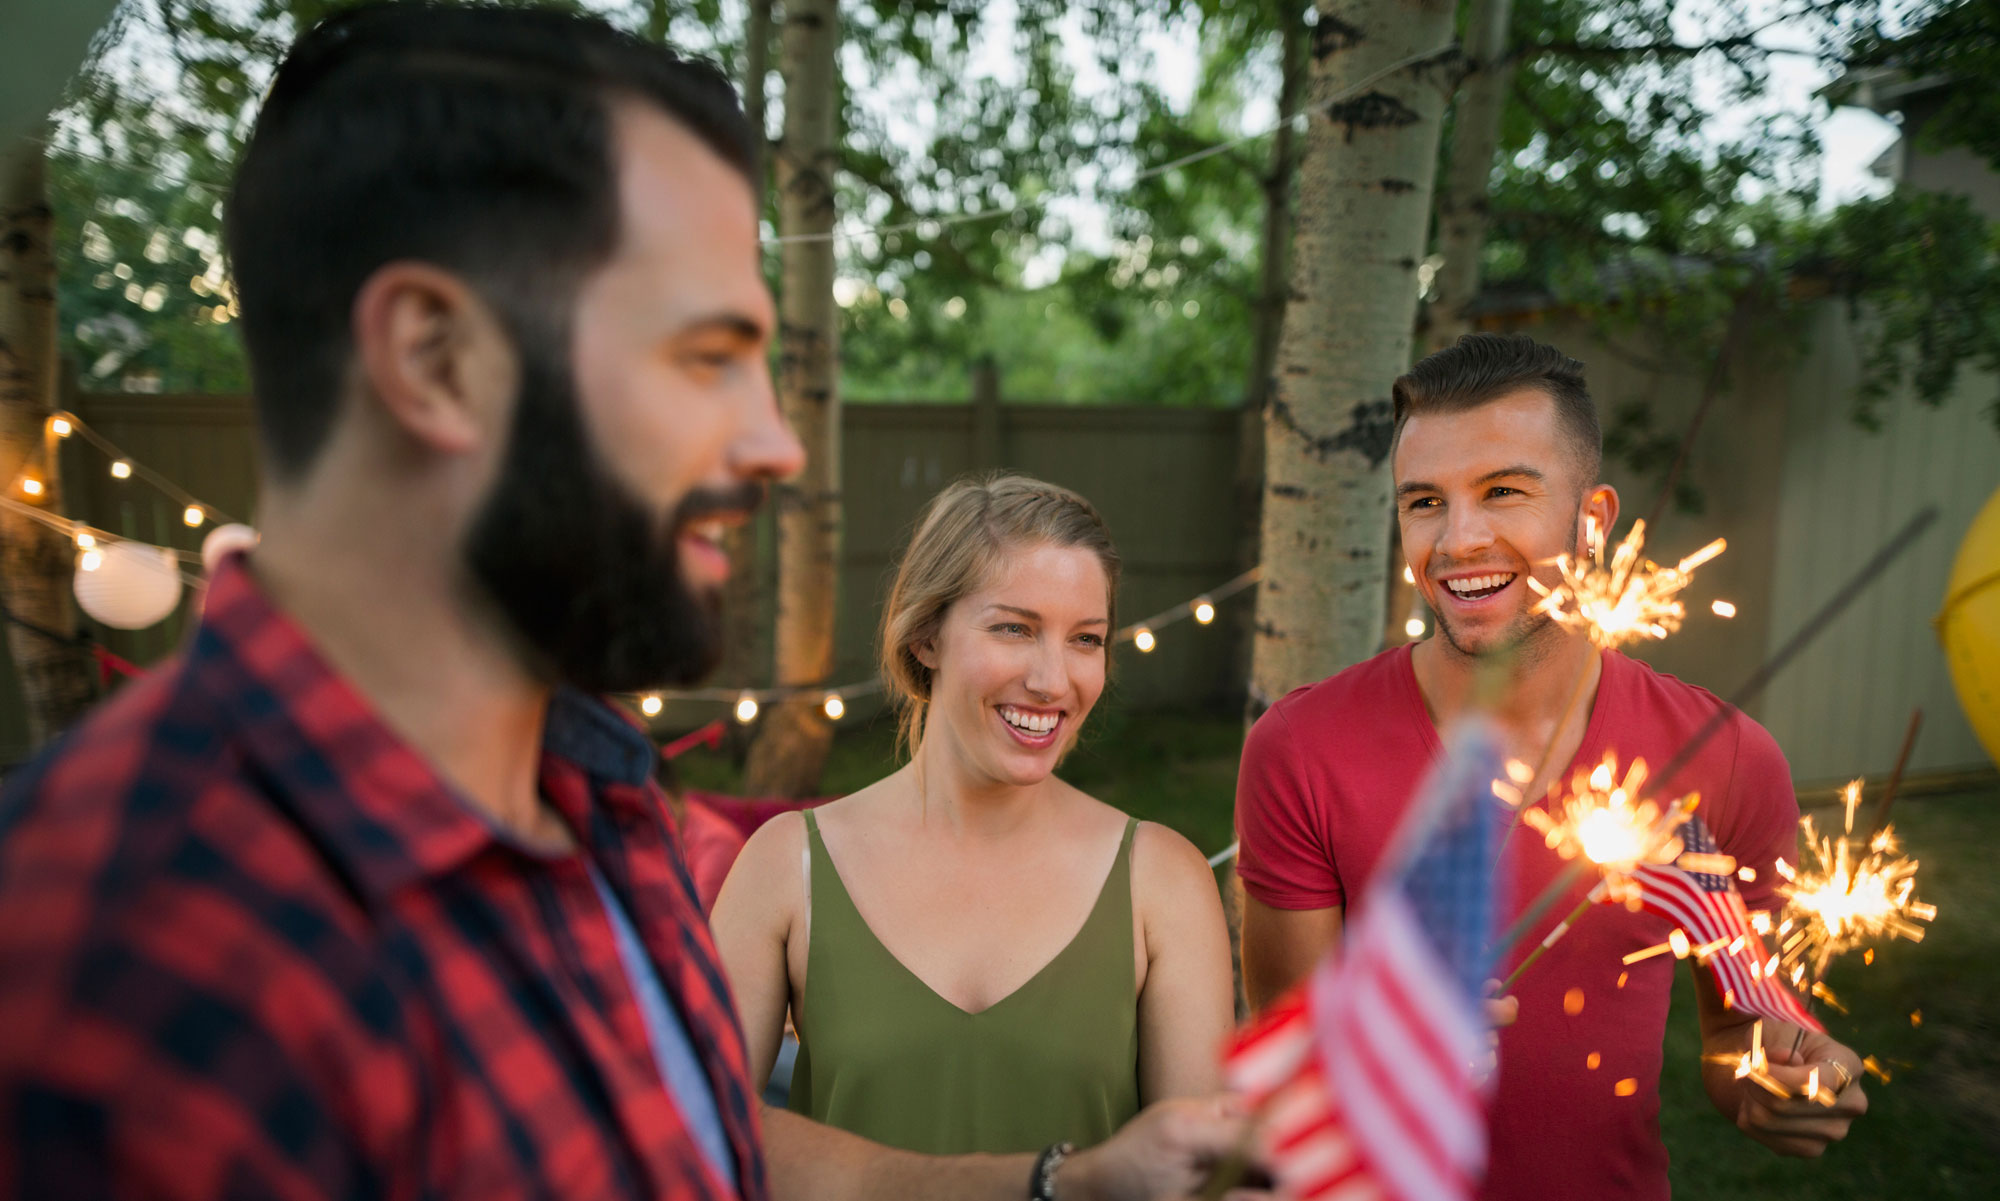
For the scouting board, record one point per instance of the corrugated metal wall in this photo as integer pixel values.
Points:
(1842, 709)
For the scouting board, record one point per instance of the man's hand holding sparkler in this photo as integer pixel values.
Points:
(1791, 1089)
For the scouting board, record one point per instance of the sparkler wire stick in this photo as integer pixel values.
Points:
(1744, 694)
(1896, 775)
(1562, 927)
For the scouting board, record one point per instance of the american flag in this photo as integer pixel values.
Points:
(1707, 906)
(1368, 1079)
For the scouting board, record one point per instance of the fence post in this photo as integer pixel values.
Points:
(985, 413)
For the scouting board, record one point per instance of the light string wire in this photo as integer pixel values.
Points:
(70, 528)
(753, 699)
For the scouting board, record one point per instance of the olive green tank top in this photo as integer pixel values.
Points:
(883, 1056)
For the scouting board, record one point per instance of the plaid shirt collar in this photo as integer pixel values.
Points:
(387, 815)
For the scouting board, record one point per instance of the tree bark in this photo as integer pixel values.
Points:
(790, 750)
(743, 610)
(1462, 210)
(1364, 211)
(35, 563)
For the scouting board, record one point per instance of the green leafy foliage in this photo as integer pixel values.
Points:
(1949, 40)
(1922, 271)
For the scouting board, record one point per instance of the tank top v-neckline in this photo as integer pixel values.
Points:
(851, 911)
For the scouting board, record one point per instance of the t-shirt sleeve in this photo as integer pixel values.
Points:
(1284, 859)
(1760, 823)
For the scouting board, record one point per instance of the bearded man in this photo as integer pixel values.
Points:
(365, 895)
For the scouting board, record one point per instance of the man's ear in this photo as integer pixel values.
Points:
(1601, 505)
(433, 354)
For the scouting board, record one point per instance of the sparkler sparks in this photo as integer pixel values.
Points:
(1856, 894)
(1602, 819)
(1623, 600)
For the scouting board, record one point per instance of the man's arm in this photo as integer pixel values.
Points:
(1790, 1126)
(1280, 946)
(1167, 1151)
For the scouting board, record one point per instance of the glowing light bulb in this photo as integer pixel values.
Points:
(651, 704)
(85, 540)
(194, 515)
(1414, 627)
(31, 486)
(1409, 577)
(121, 470)
(835, 707)
(61, 427)
(746, 709)
(1204, 610)
(1144, 640)
(1723, 608)
(91, 560)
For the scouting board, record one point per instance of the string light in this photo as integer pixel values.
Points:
(1723, 608)
(85, 540)
(1414, 627)
(194, 516)
(31, 486)
(121, 470)
(651, 704)
(749, 702)
(91, 560)
(61, 427)
(1409, 577)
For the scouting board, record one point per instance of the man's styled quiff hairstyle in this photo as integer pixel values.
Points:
(473, 137)
(1479, 368)
(960, 537)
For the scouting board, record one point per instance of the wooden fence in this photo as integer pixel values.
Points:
(1164, 479)
(1801, 493)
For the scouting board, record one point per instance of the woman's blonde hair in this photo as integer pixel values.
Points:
(960, 537)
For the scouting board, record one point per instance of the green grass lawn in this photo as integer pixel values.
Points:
(1933, 1131)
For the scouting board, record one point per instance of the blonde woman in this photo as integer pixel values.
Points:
(978, 956)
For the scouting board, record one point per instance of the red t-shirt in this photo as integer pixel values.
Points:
(1326, 775)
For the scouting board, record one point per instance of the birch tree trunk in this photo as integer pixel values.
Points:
(1364, 211)
(743, 596)
(791, 748)
(1462, 211)
(35, 563)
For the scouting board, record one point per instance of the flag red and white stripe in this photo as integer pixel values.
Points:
(1708, 907)
(1368, 1079)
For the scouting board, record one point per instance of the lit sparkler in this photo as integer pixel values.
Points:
(1604, 819)
(1625, 599)
(1857, 893)
(1606, 822)
(1755, 1066)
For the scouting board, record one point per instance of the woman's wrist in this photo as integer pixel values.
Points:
(1042, 1180)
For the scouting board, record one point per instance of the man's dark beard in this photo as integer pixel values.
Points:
(589, 580)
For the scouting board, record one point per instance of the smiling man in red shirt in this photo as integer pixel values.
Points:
(1496, 462)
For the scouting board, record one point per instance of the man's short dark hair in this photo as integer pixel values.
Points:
(1479, 368)
(476, 138)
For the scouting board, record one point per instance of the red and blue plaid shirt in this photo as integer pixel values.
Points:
(251, 945)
